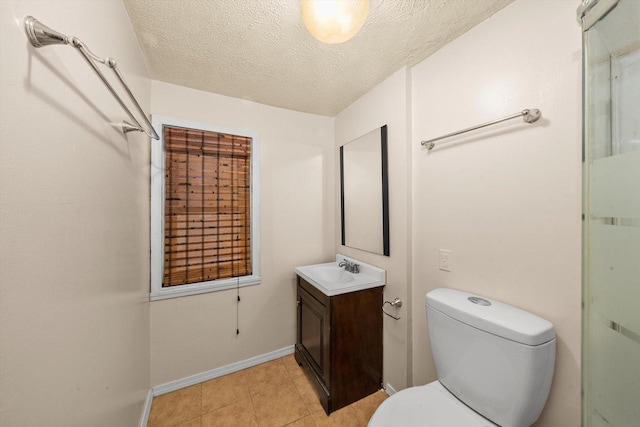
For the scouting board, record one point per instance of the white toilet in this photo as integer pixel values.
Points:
(494, 363)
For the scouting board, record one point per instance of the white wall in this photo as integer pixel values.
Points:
(505, 200)
(387, 104)
(74, 209)
(194, 334)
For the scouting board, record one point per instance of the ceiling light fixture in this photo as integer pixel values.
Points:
(334, 21)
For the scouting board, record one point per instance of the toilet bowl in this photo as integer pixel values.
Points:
(494, 364)
(429, 405)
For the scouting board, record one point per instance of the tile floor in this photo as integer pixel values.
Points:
(273, 394)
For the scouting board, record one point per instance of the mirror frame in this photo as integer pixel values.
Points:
(385, 193)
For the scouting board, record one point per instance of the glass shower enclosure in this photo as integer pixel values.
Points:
(611, 212)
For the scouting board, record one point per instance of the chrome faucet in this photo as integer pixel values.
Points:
(351, 267)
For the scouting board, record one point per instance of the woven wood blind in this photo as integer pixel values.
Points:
(207, 220)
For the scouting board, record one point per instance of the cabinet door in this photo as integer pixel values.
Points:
(312, 330)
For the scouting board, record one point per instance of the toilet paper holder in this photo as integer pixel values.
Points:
(396, 303)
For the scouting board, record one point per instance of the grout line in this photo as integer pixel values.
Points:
(301, 418)
(200, 411)
(303, 401)
(253, 405)
(287, 369)
(301, 398)
(300, 394)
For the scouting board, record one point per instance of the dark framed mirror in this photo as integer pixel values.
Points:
(364, 192)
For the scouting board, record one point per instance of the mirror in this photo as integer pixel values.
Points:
(364, 193)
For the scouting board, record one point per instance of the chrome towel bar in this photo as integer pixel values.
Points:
(529, 116)
(40, 35)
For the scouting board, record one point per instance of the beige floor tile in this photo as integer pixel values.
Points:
(303, 422)
(239, 414)
(341, 418)
(266, 376)
(196, 422)
(224, 391)
(176, 408)
(279, 406)
(363, 409)
(308, 394)
(295, 370)
(355, 415)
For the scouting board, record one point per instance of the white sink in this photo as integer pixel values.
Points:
(331, 273)
(330, 279)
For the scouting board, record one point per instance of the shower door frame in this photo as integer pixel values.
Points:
(589, 14)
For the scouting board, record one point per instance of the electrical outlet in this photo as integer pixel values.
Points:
(445, 260)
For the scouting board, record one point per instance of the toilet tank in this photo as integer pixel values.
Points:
(496, 358)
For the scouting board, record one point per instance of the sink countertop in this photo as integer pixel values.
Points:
(368, 277)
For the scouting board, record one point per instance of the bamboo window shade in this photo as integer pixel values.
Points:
(207, 217)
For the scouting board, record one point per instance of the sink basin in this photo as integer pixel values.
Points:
(332, 273)
(330, 279)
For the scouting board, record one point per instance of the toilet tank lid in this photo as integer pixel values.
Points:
(492, 316)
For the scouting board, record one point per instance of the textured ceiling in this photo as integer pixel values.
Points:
(259, 50)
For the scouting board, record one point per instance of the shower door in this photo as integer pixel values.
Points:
(611, 213)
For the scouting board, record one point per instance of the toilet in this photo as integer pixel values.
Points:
(494, 364)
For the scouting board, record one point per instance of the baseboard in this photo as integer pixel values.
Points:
(218, 372)
(146, 409)
(389, 389)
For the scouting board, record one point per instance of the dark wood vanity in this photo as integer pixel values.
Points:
(339, 343)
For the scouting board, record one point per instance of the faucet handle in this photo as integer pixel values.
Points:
(351, 267)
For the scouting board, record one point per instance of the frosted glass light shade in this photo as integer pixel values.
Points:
(334, 21)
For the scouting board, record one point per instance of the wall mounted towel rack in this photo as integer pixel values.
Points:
(40, 35)
(529, 116)
(396, 303)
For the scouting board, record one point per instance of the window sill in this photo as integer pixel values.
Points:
(202, 288)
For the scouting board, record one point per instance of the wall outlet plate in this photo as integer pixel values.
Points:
(444, 262)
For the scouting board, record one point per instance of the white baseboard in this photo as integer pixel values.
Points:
(218, 372)
(146, 409)
(389, 389)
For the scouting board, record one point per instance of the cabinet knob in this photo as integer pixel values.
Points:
(298, 303)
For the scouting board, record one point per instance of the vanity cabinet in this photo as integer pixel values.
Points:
(339, 343)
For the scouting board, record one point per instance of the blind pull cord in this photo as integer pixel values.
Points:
(238, 307)
(237, 274)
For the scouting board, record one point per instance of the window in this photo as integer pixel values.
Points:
(204, 209)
